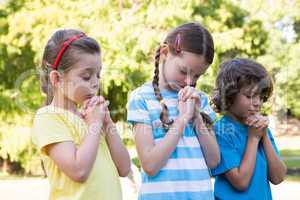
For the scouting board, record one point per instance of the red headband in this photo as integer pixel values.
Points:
(64, 47)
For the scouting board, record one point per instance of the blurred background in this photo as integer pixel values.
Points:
(129, 31)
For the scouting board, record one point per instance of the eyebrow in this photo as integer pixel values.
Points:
(90, 69)
(187, 69)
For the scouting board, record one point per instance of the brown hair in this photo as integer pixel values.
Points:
(68, 59)
(191, 37)
(233, 76)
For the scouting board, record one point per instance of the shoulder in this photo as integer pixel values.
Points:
(50, 117)
(224, 127)
(144, 89)
(205, 105)
(141, 95)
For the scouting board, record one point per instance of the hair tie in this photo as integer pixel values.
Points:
(162, 102)
(177, 43)
(66, 44)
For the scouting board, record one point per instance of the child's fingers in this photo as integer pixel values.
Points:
(101, 99)
(85, 104)
(252, 121)
(93, 101)
(197, 102)
(259, 124)
(182, 93)
(262, 120)
(83, 113)
(188, 93)
(264, 123)
(104, 105)
(97, 100)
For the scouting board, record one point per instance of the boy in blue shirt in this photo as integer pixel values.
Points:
(249, 156)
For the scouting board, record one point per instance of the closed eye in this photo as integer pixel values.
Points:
(183, 72)
(86, 78)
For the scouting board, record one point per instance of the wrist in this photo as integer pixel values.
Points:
(265, 137)
(197, 117)
(254, 138)
(111, 129)
(184, 120)
(94, 128)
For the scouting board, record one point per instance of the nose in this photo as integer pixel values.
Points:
(189, 80)
(95, 83)
(256, 101)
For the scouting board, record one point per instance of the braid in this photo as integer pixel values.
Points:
(206, 119)
(164, 114)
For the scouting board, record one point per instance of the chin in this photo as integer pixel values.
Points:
(176, 87)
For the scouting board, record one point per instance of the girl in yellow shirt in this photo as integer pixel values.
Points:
(82, 151)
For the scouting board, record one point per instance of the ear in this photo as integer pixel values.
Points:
(164, 50)
(55, 77)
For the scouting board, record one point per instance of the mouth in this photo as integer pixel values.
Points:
(177, 86)
(89, 96)
(253, 112)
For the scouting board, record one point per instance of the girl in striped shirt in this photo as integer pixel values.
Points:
(171, 120)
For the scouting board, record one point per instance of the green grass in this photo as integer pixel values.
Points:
(290, 153)
(292, 163)
(291, 158)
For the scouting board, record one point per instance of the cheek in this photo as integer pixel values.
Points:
(81, 90)
(240, 105)
(77, 90)
(174, 75)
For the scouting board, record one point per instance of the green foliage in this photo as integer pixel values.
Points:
(129, 32)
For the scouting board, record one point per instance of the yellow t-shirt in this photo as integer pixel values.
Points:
(52, 125)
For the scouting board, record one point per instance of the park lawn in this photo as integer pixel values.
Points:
(290, 153)
(291, 158)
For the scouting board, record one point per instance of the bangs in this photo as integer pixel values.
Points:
(263, 87)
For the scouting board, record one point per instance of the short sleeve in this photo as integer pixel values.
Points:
(273, 142)
(137, 111)
(48, 129)
(206, 108)
(229, 154)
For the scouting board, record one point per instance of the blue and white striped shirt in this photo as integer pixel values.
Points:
(185, 176)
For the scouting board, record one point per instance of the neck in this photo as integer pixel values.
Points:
(63, 102)
(235, 117)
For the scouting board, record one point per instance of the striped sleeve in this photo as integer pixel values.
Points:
(137, 111)
(206, 108)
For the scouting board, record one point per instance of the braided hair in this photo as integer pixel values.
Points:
(190, 37)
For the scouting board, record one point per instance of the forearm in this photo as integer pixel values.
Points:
(276, 167)
(208, 142)
(245, 171)
(156, 157)
(119, 153)
(85, 155)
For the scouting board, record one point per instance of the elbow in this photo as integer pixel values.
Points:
(79, 176)
(214, 162)
(279, 178)
(124, 171)
(149, 169)
(241, 186)
(150, 172)
(277, 181)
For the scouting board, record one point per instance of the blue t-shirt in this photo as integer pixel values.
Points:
(232, 139)
(185, 176)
